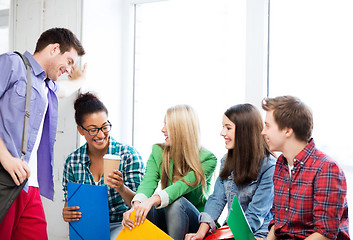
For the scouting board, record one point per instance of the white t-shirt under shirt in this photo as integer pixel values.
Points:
(33, 179)
(290, 169)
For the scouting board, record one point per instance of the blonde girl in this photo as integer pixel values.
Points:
(184, 170)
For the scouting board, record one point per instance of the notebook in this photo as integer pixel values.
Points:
(237, 222)
(93, 203)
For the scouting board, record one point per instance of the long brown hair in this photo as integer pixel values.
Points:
(250, 147)
(183, 132)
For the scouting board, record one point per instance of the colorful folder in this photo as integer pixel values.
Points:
(237, 228)
(144, 231)
(237, 222)
(221, 233)
(93, 203)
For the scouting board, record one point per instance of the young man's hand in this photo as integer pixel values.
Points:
(77, 73)
(16, 167)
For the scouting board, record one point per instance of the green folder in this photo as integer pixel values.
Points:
(237, 222)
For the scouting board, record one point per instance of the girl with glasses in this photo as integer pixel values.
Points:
(85, 164)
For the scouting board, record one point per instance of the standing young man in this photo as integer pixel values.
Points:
(310, 188)
(56, 52)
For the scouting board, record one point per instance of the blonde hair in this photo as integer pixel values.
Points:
(184, 136)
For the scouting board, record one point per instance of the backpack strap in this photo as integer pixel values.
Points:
(27, 107)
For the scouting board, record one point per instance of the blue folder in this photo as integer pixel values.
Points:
(93, 203)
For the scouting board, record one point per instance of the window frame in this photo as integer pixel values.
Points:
(256, 72)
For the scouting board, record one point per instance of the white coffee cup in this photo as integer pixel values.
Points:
(111, 162)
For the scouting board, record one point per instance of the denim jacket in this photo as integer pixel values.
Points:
(255, 199)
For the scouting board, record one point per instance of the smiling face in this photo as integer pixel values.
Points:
(228, 132)
(60, 63)
(165, 132)
(100, 142)
(274, 137)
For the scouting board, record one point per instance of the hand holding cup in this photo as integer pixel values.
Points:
(112, 176)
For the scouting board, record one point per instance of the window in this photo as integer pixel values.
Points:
(187, 58)
(311, 57)
(4, 25)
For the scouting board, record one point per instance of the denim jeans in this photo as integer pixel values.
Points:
(115, 228)
(177, 219)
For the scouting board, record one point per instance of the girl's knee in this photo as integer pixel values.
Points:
(177, 206)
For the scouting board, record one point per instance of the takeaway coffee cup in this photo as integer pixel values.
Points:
(111, 162)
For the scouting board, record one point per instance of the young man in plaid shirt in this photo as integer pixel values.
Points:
(310, 188)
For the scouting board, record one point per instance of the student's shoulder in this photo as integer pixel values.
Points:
(206, 154)
(10, 55)
(158, 148)
(122, 148)
(268, 164)
(269, 161)
(11, 59)
(323, 161)
(223, 159)
(157, 152)
(75, 156)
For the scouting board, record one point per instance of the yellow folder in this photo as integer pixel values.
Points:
(144, 231)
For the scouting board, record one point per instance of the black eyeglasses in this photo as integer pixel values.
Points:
(95, 131)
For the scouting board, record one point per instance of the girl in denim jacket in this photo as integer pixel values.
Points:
(246, 171)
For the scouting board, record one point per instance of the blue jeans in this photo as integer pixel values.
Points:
(177, 219)
(115, 228)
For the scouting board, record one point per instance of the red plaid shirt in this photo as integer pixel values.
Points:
(312, 199)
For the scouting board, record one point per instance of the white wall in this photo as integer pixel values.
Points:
(103, 36)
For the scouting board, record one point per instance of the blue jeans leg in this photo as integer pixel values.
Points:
(157, 217)
(181, 218)
(115, 228)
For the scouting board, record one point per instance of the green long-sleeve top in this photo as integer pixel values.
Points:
(179, 188)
